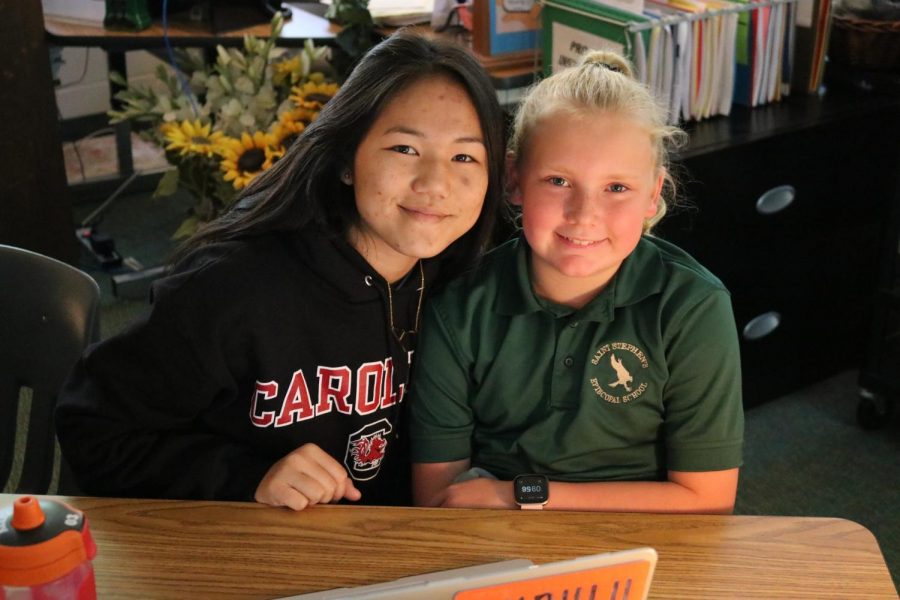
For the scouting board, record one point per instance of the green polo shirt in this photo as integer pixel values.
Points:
(643, 379)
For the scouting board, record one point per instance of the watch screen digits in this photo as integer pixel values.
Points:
(531, 489)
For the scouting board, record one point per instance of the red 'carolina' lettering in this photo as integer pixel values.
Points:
(331, 394)
(368, 396)
(388, 397)
(296, 406)
(267, 390)
(374, 390)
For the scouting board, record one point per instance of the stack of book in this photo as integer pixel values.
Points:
(700, 57)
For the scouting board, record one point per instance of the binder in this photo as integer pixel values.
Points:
(573, 27)
(813, 30)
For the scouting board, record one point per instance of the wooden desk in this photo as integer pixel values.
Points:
(192, 549)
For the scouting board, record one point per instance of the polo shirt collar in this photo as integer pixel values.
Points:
(515, 296)
(641, 275)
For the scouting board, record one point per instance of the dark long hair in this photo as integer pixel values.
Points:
(304, 187)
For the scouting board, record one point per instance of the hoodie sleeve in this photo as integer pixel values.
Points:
(130, 417)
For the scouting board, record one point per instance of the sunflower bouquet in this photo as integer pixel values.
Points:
(223, 124)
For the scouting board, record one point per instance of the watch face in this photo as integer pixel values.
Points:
(531, 489)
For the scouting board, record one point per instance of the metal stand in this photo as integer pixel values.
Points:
(102, 246)
(135, 281)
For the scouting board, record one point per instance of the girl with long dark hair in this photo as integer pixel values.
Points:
(273, 364)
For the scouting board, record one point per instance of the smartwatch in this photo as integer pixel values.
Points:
(531, 491)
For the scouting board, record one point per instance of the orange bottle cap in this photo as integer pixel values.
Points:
(41, 541)
(27, 513)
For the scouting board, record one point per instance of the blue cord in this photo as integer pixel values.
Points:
(185, 85)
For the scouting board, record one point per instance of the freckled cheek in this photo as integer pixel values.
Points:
(372, 187)
(477, 176)
(478, 191)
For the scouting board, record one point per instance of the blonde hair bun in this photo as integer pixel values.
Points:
(608, 60)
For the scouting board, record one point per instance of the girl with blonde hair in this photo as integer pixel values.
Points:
(586, 365)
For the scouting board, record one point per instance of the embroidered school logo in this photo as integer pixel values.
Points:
(624, 377)
(621, 372)
(366, 449)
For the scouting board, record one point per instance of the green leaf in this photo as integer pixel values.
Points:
(187, 228)
(168, 184)
(350, 12)
(117, 78)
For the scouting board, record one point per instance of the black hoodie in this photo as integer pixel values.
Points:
(251, 350)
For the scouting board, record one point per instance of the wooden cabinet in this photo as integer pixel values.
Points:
(788, 204)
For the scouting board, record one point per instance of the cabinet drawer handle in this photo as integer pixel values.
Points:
(762, 325)
(775, 200)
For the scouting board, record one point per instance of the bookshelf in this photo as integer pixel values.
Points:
(698, 58)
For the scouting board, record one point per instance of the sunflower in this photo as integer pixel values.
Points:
(273, 153)
(191, 138)
(298, 115)
(313, 94)
(286, 133)
(244, 159)
(290, 70)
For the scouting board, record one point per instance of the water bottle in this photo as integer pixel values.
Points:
(45, 552)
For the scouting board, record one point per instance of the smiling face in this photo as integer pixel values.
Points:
(585, 184)
(419, 175)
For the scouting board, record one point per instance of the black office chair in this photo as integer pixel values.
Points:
(49, 312)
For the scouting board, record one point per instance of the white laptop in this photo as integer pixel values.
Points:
(623, 575)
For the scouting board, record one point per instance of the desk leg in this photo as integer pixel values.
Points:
(116, 62)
